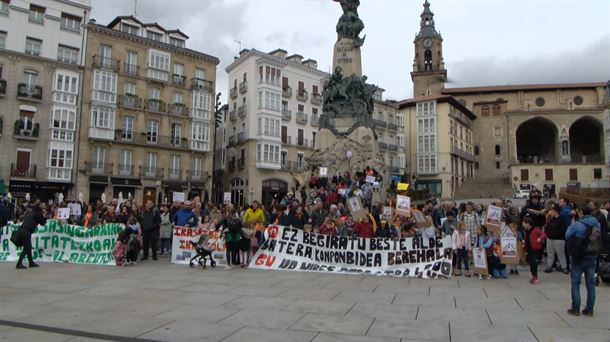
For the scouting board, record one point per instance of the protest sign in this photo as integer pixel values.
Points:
(508, 246)
(480, 261)
(75, 209)
(370, 179)
(178, 197)
(183, 250)
(355, 206)
(295, 250)
(63, 213)
(403, 205)
(493, 220)
(227, 198)
(59, 242)
(402, 186)
(323, 172)
(387, 213)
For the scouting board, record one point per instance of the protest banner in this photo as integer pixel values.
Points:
(296, 250)
(403, 205)
(370, 179)
(323, 172)
(402, 186)
(355, 207)
(479, 257)
(178, 197)
(509, 255)
(63, 213)
(387, 213)
(75, 209)
(227, 198)
(59, 242)
(183, 250)
(493, 220)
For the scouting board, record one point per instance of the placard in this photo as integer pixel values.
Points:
(355, 206)
(63, 213)
(323, 172)
(509, 254)
(75, 209)
(494, 218)
(479, 257)
(403, 205)
(227, 198)
(183, 250)
(370, 179)
(178, 197)
(402, 186)
(387, 213)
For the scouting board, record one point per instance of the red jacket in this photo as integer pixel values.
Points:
(532, 237)
(363, 229)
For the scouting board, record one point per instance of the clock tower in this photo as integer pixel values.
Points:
(429, 73)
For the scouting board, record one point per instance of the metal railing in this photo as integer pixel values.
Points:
(179, 80)
(287, 92)
(23, 172)
(102, 62)
(178, 109)
(382, 145)
(233, 92)
(302, 95)
(286, 114)
(155, 105)
(99, 168)
(233, 115)
(315, 120)
(131, 69)
(22, 132)
(243, 87)
(379, 123)
(130, 101)
(151, 172)
(27, 91)
(392, 126)
(242, 110)
(301, 118)
(126, 170)
(200, 84)
(316, 99)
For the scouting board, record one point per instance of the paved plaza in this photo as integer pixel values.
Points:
(164, 302)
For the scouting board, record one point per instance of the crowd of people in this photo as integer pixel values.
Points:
(321, 206)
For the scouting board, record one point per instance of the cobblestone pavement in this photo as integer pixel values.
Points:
(157, 301)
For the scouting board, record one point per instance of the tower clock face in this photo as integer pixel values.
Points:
(427, 43)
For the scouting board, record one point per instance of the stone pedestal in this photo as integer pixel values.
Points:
(347, 56)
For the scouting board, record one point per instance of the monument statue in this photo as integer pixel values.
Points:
(350, 25)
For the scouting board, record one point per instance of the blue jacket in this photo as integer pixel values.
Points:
(564, 213)
(182, 217)
(579, 227)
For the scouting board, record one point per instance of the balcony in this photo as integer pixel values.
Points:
(101, 133)
(462, 154)
(99, 168)
(298, 168)
(233, 92)
(178, 109)
(241, 137)
(2, 88)
(233, 115)
(126, 170)
(315, 120)
(59, 174)
(23, 172)
(241, 164)
(243, 87)
(179, 80)
(379, 123)
(131, 69)
(302, 95)
(286, 114)
(392, 147)
(174, 174)
(232, 164)
(394, 169)
(130, 101)
(231, 141)
(392, 126)
(101, 62)
(154, 105)
(196, 175)
(29, 92)
(64, 97)
(202, 85)
(146, 139)
(286, 166)
(301, 118)
(23, 132)
(147, 172)
(383, 146)
(316, 99)
(241, 111)
(287, 92)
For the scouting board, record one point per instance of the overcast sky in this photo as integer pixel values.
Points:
(486, 42)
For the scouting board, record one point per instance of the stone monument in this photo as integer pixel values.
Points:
(347, 140)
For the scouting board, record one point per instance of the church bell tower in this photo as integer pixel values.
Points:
(429, 73)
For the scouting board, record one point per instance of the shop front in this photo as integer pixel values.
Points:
(123, 187)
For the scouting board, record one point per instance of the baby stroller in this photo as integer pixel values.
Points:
(204, 251)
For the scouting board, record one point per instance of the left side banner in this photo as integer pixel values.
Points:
(183, 250)
(60, 242)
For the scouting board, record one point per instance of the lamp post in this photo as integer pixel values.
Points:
(217, 121)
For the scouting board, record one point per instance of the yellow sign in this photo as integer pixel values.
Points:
(402, 186)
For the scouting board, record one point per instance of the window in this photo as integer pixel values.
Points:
(36, 14)
(476, 165)
(268, 127)
(270, 75)
(525, 175)
(178, 69)
(129, 88)
(300, 159)
(60, 158)
(400, 120)
(269, 100)
(154, 35)
(2, 37)
(497, 132)
(597, 173)
(152, 131)
(400, 140)
(548, 174)
(485, 111)
(174, 165)
(200, 135)
(4, 4)
(426, 164)
(158, 65)
(26, 120)
(201, 104)
(154, 93)
(476, 150)
(200, 74)
(33, 46)
(98, 157)
(63, 124)
(301, 109)
(268, 153)
(314, 90)
(127, 128)
(496, 109)
(540, 101)
(125, 162)
(177, 97)
(426, 109)
(67, 54)
(197, 163)
(497, 150)
(176, 134)
(573, 174)
(129, 29)
(65, 88)
(176, 42)
(150, 167)
(300, 137)
(131, 63)
(105, 56)
(102, 117)
(70, 22)
(104, 86)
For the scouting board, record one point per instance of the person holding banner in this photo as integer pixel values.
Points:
(485, 241)
(31, 219)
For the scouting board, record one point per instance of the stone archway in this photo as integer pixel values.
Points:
(586, 140)
(537, 141)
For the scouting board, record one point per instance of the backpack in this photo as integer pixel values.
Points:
(589, 245)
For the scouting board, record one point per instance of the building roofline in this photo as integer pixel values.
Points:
(441, 98)
(245, 53)
(522, 87)
(179, 32)
(75, 3)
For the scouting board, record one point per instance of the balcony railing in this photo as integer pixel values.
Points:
(2, 87)
(287, 92)
(315, 120)
(241, 137)
(178, 109)
(179, 80)
(286, 114)
(155, 105)
(286, 166)
(316, 99)
(131, 69)
(232, 164)
(23, 172)
(102, 62)
(144, 138)
(99, 168)
(379, 123)
(241, 111)
(151, 172)
(383, 146)
(196, 175)
(392, 147)
(29, 92)
(243, 87)
(392, 126)
(462, 154)
(130, 101)
(394, 169)
(241, 164)
(233, 92)
(202, 85)
(233, 115)
(126, 170)
(302, 95)
(26, 133)
(301, 118)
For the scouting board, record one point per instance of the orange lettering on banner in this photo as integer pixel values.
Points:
(266, 260)
(272, 231)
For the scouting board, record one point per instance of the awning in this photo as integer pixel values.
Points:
(198, 185)
(98, 180)
(126, 182)
(18, 189)
(53, 186)
(177, 185)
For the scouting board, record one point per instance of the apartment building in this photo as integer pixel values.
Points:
(275, 103)
(389, 125)
(41, 51)
(148, 104)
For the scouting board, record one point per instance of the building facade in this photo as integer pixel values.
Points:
(389, 124)
(41, 58)
(148, 114)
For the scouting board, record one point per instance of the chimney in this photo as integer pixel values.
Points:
(311, 63)
(296, 58)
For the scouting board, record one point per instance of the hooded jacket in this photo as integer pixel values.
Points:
(579, 227)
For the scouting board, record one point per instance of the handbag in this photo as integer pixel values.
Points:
(16, 239)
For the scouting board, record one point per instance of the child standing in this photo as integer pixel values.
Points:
(533, 246)
(165, 231)
(461, 247)
(486, 241)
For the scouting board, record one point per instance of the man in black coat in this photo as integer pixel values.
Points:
(150, 222)
(6, 212)
(31, 219)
